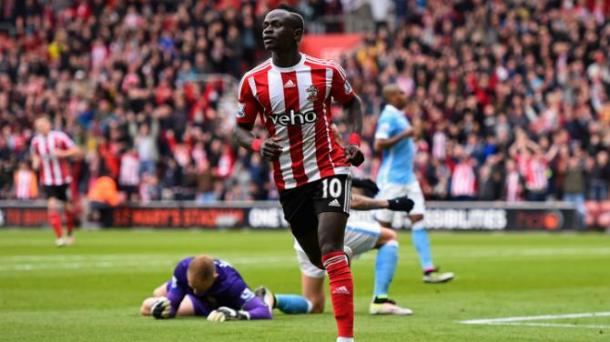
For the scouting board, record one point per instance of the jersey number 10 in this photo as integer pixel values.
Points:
(332, 187)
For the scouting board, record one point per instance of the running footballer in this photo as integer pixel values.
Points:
(292, 93)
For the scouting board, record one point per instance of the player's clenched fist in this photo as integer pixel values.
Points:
(224, 313)
(271, 149)
(161, 308)
(354, 155)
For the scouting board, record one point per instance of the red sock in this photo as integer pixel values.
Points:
(55, 221)
(69, 221)
(341, 291)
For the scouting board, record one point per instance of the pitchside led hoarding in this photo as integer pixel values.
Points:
(461, 216)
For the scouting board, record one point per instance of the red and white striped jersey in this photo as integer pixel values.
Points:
(53, 170)
(130, 169)
(535, 176)
(294, 104)
(25, 184)
(463, 180)
(513, 186)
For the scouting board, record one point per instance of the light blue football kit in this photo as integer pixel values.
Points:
(396, 177)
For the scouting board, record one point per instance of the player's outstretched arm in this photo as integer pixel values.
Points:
(360, 202)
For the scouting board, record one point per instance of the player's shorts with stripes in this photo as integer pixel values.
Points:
(303, 204)
(360, 237)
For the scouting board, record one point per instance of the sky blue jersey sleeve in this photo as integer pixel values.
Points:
(385, 127)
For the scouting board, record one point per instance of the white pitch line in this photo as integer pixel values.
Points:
(558, 325)
(80, 265)
(534, 318)
(74, 257)
(530, 252)
(136, 262)
(540, 252)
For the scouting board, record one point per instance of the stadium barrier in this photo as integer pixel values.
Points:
(462, 216)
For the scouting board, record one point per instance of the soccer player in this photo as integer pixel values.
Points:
(361, 235)
(208, 287)
(396, 177)
(51, 151)
(292, 93)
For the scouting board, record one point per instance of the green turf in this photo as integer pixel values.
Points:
(92, 291)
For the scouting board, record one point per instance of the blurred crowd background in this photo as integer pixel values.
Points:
(511, 98)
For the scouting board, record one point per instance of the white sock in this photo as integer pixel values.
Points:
(345, 339)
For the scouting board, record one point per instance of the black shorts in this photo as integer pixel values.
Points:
(59, 192)
(303, 204)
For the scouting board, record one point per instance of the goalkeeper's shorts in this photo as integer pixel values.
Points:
(360, 237)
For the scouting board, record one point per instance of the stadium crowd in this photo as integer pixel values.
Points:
(510, 99)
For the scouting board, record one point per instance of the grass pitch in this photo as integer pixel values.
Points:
(92, 291)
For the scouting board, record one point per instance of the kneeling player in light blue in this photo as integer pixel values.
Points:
(397, 178)
(203, 286)
(362, 234)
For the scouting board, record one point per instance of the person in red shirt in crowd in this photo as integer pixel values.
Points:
(463, 178)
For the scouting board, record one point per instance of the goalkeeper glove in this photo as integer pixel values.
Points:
(161, 308)
(224, 313)
(401, 204)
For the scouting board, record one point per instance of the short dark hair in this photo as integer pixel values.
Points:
(296, 19)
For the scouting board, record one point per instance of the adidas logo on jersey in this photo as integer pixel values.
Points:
(334, 203)
(342, 290)
(289, 84)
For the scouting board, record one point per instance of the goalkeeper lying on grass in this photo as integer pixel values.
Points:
(203, 286)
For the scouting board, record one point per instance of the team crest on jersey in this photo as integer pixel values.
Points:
(347, 87)
(313, 93)
(247, 294)
(241, 113)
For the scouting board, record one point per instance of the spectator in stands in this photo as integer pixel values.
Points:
(513, 190)
(129, 177)
(103, 197)
(528, 82)
(536, 176)
(600, 177)
(463, 178)
(150, 189)
(25, 182)
(145, 136)
(574, 185)
(491, 179)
